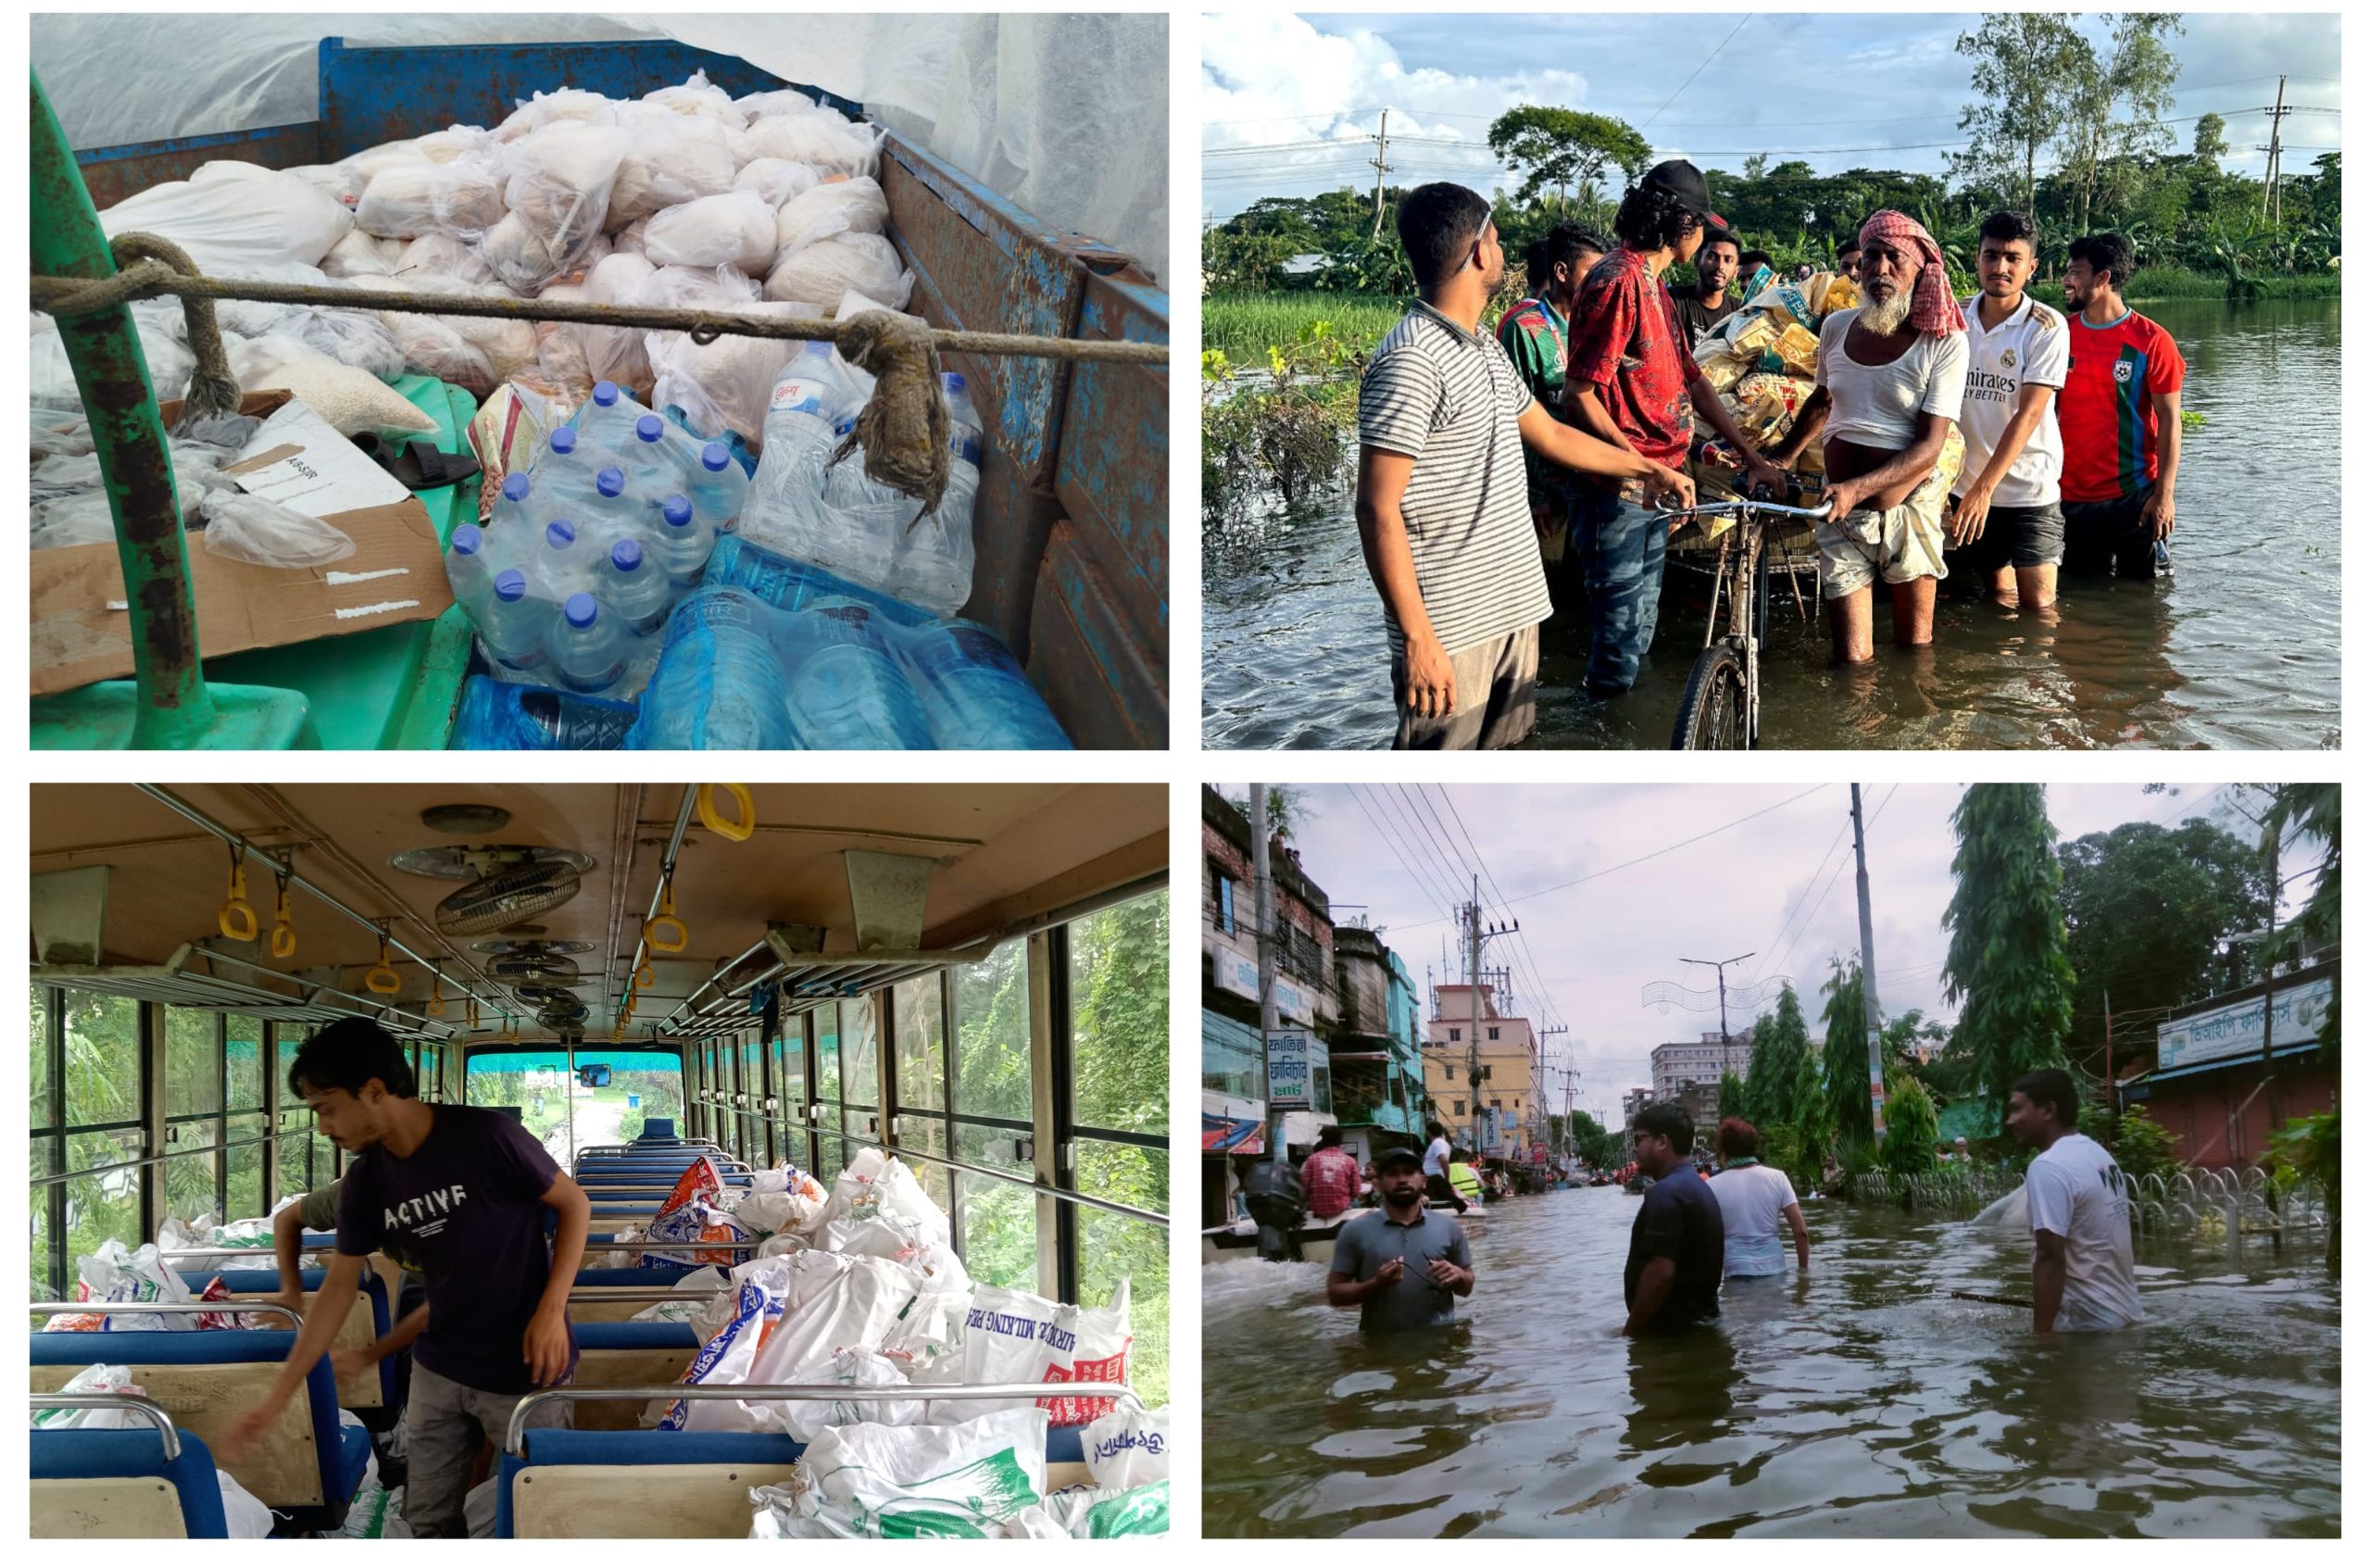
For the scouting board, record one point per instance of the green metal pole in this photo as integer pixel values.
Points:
(176, 710)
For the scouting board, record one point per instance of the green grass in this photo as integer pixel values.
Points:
(2180, 283)
(1244, 326)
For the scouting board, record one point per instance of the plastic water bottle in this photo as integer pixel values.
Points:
(634, 589)
(782, 509)
(465, 569)
(975, 693)
(719, 682)
(606, 423)
(846, 689)
(516, 501)
(588, 648)
(564, 564)
(504, 716)
(717, 488)
(684, 541)
(658, 457)
(610, 514)
(934, 564)
(514, 624)
(866, 520)
(786, 584)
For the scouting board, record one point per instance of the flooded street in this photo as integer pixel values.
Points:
(1859, 1401)
(2239, 648)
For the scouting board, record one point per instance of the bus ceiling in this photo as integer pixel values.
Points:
(508, 909)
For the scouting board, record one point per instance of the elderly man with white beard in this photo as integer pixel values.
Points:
(1889, 378)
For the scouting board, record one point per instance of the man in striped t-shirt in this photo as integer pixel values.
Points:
(1444, 512)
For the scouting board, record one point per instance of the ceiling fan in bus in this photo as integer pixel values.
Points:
(508, 882)
(534, 963)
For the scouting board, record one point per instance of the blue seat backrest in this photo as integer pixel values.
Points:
(656, 1127)
(263, 1282)
(206, 1347)
(651, 1278)
(78, 1455)
(633, 1335)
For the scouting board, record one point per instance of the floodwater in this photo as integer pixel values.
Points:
(2239, 649)
(1859, 1401)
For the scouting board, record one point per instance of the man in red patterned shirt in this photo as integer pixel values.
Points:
(1632, 381)
(1330, 1176)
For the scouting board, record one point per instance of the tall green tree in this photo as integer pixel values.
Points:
(2137, 77)
(1567, 150)
(1844, 1063)
(2209, 143)
(1732, 1101)
(2007, 966)
(1908, 1146)
(2310, 812)
(1781, 1044)
(2150, 914)
(2026, 72)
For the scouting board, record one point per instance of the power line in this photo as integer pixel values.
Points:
(1697, 71)
(1391, 839)
(1524, 957)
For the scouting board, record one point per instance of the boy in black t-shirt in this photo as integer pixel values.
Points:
(463, 1190)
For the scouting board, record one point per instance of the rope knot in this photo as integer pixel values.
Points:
(904, 428)
(143, 262)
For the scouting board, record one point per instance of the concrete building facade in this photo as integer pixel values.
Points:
(1507, 1055)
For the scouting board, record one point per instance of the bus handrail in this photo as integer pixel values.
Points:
(592, 1245)
(178, 1309)
(149, 1408)
(59, 1177)
(768, 1392)
(1064, 1195)
(583, 1292)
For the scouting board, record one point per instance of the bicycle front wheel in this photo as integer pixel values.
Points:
(1713, 711)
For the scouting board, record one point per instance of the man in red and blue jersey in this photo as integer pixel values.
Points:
(2120, 420)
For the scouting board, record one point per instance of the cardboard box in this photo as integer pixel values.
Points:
(83, 632)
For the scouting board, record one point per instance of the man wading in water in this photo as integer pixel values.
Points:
(1444, 510)
(2075, 1202)
(1894, 372)
(1404, 1266)
(1673, 1280)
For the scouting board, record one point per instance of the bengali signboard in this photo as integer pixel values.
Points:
(1289, 1074)
(1238, 972)
(2238, 1030)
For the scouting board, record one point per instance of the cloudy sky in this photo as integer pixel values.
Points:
(1290, 103)
(1778, 886)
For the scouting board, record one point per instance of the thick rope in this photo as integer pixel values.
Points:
(213, 390)
(904, 426)
(80, 297)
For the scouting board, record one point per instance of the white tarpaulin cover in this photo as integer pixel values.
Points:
(1067, 115)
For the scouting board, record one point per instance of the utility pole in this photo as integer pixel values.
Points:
(2279, 111)
(2271, 924)
(2107, 1032)
(1263, 908)
(1869, 974)
(1383, 143)
(1720, 966)
(1474, 937)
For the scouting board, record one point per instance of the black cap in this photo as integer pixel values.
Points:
(1717, 227)
(1396, 1156)
(1682, 179)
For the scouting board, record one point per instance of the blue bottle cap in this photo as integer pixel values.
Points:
(713, 456)
(845, 426)
(611, 482)
(605, 393)
(650, 427)
(559, 533)
(467, 539)
(516, 487)
(954, 382)
(626, 555)
(676, 512)
(564, 440)
(511, 586)
(581, 610)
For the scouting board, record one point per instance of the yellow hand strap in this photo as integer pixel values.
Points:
(382, 981)
(237, 917)
(736, 831)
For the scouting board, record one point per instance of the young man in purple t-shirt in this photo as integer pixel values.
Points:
(462, 1190)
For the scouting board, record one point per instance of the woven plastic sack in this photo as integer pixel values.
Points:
(232, 224)
(851, 1369)
(736, 230)
(777, 179)
(1096, 1514)
(848, 263)
(836, 207)
(1016, 1337)
(727, 1358)
(867, 1481)
(116, 1273)
(877, 1184)
(98, 1379)
(352, 401)
(263, 532)
(832, 1302)
(1127, 1448)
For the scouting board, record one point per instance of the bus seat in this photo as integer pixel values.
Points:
(370, 1317)
(657, 1129)
(309, 1459)
(684, 1485)
(627, 1354)
(120, 1485)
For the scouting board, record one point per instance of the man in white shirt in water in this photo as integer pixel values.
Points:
(2077, 1202)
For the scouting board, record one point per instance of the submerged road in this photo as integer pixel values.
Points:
(1859, 1401)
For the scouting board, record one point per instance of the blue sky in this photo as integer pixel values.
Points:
(1779, 886)
(1273, 81)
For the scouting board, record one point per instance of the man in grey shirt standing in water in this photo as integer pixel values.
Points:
(1404, 1266)
(1444, 507)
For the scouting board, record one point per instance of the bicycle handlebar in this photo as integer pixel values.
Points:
(1714, 508)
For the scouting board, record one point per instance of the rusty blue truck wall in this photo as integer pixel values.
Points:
(1072, 527)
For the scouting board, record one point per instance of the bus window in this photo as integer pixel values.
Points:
(192, 1111)
(992, 1092)
(859, 1074)
(1119, 1007)
(918, 1017)
(102, 1126)
(651, 1083)
(245, 1128)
